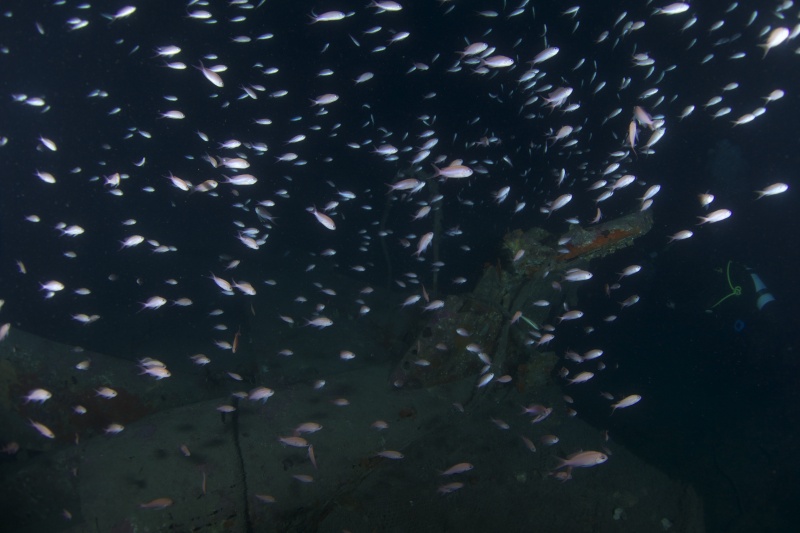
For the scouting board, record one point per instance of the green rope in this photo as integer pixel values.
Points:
(735, 290)
(531, 323)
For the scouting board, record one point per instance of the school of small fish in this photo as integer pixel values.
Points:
(262, 121)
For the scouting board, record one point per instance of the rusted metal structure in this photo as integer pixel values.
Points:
(532, 260)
